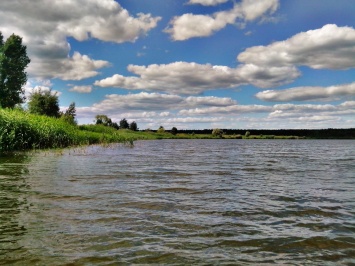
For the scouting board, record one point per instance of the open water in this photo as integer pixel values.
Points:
(181, 202)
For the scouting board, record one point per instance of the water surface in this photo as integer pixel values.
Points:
(181, 202)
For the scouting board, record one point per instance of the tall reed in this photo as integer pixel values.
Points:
(20, 130)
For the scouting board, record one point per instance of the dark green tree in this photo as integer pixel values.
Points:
(133, 126)
(13, 61)
(161, 129)
(103, 120)
(44, 103)
(115, 125)
(174, 131)
(70, 114)
(217, 132)
(124, 123)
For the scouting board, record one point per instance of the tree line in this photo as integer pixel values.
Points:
(329, 133)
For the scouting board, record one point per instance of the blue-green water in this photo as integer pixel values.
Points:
(181, 202)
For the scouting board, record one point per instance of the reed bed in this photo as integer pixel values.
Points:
(20, 130)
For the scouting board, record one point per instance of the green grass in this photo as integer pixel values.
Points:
(21, 131)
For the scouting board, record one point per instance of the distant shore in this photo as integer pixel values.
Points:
(22, 131)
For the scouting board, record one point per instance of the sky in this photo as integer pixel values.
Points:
(193, 64)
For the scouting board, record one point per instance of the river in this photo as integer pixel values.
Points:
(181, 202)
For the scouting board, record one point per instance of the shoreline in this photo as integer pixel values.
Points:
(20, 131)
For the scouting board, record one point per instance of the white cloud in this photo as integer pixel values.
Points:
(262, 66)
(329, 47)
(193, 78)
(189, 25)
(207, 2)
(77, 67)
(231, 110)
(81, 89)
(45, 26)
(33, 86)
(150, 110)
(155, 102)
(307, 93)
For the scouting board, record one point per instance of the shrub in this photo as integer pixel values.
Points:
(216, 132)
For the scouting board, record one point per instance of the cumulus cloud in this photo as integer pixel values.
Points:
(307, 93)
(156, 102)
(33, 86)
(231, 110)
(207, 2)
(190, 25)
(193, 78)
(81, 89)
(262, 66)
(330, 47)
(45, 26)
(77, 67)
(155, 109)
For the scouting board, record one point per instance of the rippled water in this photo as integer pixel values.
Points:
(181, 202)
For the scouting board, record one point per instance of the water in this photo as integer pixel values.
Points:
(181, 202)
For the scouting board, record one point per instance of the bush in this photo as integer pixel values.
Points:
(216, 132)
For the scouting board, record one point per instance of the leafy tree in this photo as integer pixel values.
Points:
(161, 129)
(247, 134)
(13, 61)
(115, 125)
(217, 132)
(103, 120)
(124, 124)
(70, 114)
(133, 126)
(174, 131)
(44, 103)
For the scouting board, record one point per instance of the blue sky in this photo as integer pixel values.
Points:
(193, 64)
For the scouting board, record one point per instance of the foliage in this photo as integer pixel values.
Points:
(70, 114)
(174, 131)
(21, 130)
(247, 134)
(133, 126)
(124, 124)
(216, 132)
(161, 130)
(103, 120)
(44, 103)
(13, 61)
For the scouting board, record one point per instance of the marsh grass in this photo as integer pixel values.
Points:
(20, 130)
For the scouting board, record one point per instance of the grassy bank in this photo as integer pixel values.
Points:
(20, 131)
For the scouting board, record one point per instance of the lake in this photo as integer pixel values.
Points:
(181, 202)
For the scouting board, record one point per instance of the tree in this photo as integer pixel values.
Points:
(247, 134)
(133, 126)
(124, 124)
(217, 132)
(115, 125)
(44, 103)
(161, 129)
(103, 120)
(13, 61)
(174, 131)
(70, 114)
